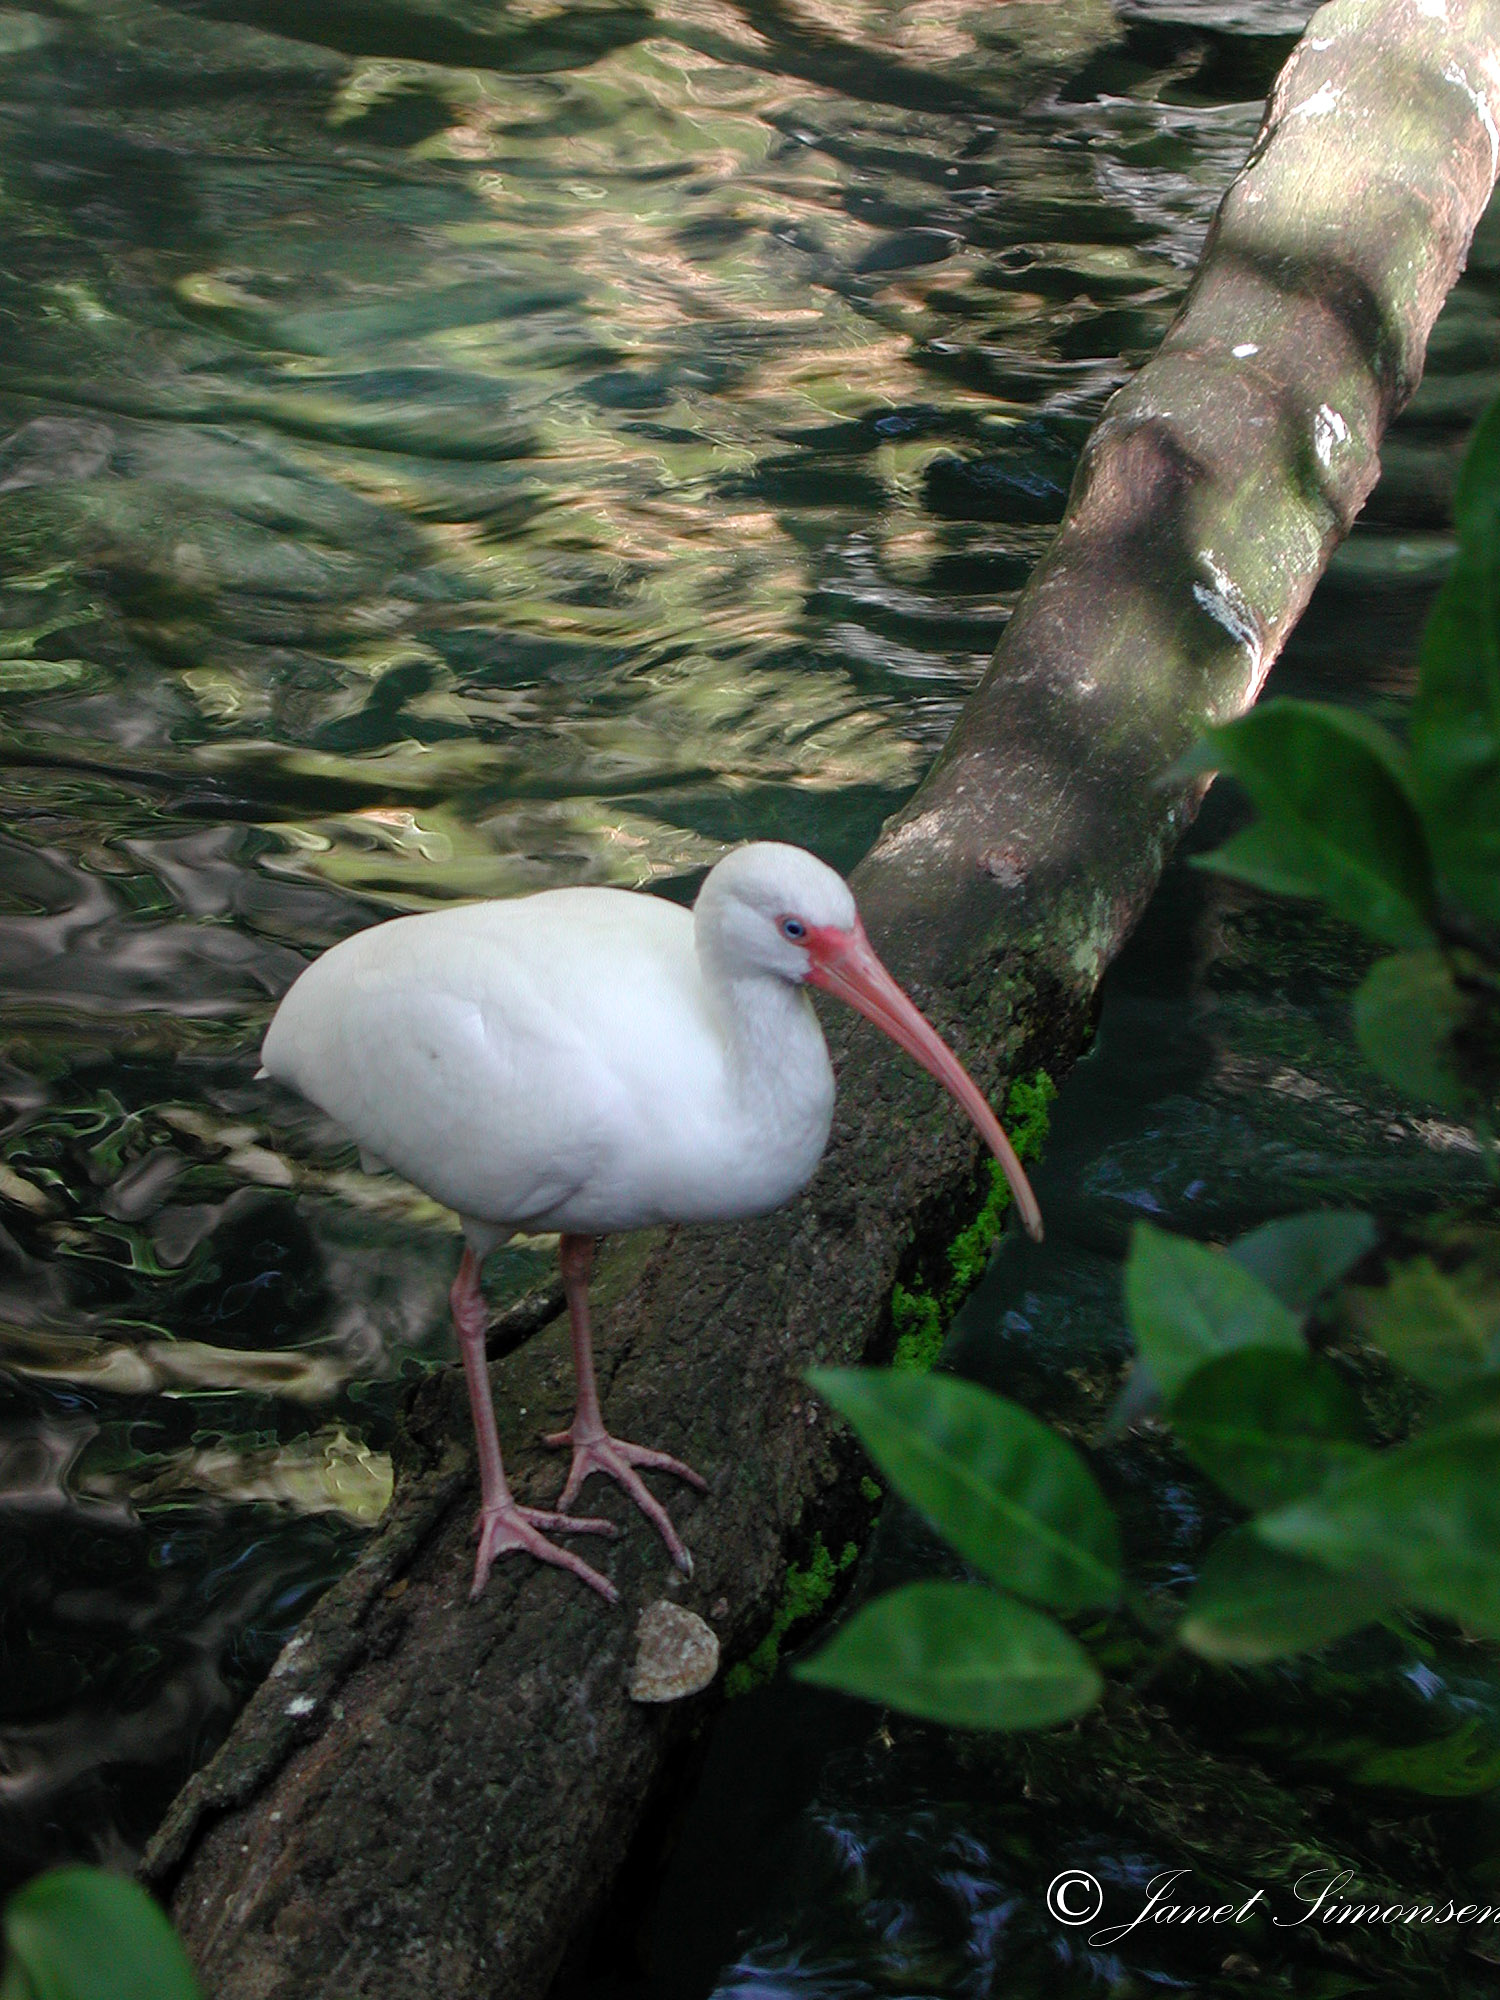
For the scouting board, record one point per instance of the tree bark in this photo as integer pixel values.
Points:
(430, 1796)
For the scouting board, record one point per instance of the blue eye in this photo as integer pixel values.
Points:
(793, 928)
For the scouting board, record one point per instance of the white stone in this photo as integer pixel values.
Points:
(676, 1653)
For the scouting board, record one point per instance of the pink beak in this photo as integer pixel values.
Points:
(844, 963)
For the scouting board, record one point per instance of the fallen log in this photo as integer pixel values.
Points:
(427, 1796)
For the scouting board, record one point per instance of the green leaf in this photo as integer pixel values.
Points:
(1188, 1304)
(1476, 500)
(1422, 1521)
(82, 1934)
(1252, 1603)
(1268, 1425)
(1011, 1496)
(1262, 856)
(1336, 819)
(1299, 1257)
(1455, 735)
(1444, 1331)
(1474, 1408)
(1455, 723)
(1464, 1764)
(1405, 1012)
(959, 1654)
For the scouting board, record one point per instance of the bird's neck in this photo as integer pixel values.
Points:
(771, 1032)
(772, 1041)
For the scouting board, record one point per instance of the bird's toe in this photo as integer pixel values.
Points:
(617, 1460)
(661, 1461)
(560, 1522)
(502, 1529)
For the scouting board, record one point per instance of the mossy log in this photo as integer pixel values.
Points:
(429, 1796)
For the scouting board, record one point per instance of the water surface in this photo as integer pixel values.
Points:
(448, 450)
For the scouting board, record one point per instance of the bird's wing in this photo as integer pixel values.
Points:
(500, 1056)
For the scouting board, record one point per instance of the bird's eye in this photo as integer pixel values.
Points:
(793, 928)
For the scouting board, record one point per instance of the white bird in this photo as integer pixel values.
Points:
(586, 1060)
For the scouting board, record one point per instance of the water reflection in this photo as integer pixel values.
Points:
(447, 450)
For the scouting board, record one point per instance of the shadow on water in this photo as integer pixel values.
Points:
(449, 449)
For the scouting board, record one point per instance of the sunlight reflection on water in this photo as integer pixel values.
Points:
(447, 451)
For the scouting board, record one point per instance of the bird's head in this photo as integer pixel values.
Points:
(773, 909)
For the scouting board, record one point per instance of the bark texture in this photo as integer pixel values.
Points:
(432, 1797)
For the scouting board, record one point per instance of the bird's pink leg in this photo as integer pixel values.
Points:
(594, 1450)
(503, 1524)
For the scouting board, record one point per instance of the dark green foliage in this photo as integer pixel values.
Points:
(1012, 1497)
(1300, 1257)
(1443, 1329)
(956, 1653)
(1268, 1426)
(1405, 845)
(1349, 1531)
(1406, 1013)
(82, 1934)
(1423, 1520)
(1189, 1304)
(1336, 818)
(1253, 1603)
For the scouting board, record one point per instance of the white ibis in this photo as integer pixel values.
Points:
(584, 1060)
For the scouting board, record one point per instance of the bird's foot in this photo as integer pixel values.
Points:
(515, 1527)
(597, 1451)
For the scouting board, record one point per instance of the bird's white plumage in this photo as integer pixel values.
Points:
(586, 1060)
(583, 1059)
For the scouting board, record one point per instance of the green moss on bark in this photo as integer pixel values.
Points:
(805, 1594)
(920, 1315)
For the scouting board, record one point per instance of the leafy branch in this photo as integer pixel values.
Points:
(1403, 841)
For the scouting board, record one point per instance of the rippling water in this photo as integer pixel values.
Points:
(448, 449)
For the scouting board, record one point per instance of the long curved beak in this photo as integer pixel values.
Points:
(844, 963)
